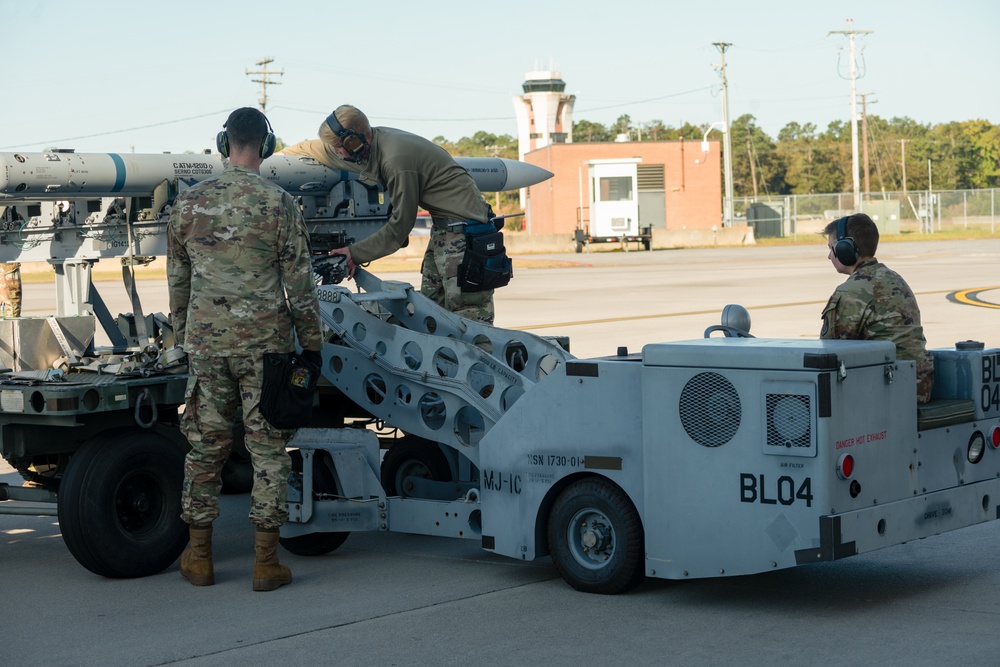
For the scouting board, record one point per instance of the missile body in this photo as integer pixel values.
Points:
(65, 175)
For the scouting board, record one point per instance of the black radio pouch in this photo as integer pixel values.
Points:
(485, 265)
(289, 384)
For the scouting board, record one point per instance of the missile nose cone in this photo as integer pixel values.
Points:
(522, 174)
(498, 174)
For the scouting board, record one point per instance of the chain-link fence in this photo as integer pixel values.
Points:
(894, 212)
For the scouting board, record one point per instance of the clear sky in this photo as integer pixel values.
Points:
(121, 76)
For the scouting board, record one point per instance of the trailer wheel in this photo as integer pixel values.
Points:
(237, 473)
(596, 538)
(411, 456)
(120, 504)
(314, 544)
(324, 483)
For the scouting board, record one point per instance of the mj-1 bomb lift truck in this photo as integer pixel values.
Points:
(701, 458)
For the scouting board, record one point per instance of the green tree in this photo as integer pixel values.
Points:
(621, 126)
(796, 149)
(756, 165)
(585, 131)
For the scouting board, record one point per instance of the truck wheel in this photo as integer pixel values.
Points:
(120, 504)
(596, 538)
(314, 544)
(324, 483)
(411, 456)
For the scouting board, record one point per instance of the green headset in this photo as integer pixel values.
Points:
(267, 144)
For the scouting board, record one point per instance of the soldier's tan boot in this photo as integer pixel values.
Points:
(268, 573)
(196, 561)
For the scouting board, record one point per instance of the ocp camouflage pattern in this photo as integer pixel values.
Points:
(236, 246)
(439, 276)
(875, 303)
(10, 289)
(216, 389)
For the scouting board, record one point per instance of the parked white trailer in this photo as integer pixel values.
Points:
(614, 205)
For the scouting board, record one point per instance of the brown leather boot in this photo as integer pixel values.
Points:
(268, 573)
(196, 561)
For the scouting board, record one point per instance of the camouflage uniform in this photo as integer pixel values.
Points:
(875, 303)
(439, 276)
(236, 245)
(417, 172)
(10, 289)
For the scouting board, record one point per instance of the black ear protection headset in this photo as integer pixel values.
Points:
(353, 142)
(845, 249)
(266, 144)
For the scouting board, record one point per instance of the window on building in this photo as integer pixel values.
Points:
(558, 137)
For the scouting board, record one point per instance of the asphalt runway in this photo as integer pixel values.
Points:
(391, 599)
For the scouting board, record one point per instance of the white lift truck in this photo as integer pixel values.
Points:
(701, 458)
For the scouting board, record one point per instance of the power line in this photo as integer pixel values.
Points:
(51, 142)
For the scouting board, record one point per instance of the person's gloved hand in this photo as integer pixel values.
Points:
(313, 357)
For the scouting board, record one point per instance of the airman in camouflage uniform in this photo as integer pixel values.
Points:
(415, 172)
(10, 289)
(874, 303)
(241, 284)
(445, 251)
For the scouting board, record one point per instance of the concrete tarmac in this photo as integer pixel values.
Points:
(390, 599)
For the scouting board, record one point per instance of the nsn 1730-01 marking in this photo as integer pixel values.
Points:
(555, 460)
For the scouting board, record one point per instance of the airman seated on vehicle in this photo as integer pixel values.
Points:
(874, 303)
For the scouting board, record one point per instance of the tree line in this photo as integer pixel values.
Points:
(902, 154)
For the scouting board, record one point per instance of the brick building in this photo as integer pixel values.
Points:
(679, 185)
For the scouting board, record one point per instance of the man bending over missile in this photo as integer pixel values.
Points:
(414, 172)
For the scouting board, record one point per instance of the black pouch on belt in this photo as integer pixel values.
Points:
(485, 265)
(288, 387)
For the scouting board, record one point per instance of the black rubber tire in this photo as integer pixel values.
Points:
(314, 544)
(412, 456)
(237, 473)
(120, 504)
(595, 509)
(324, 482)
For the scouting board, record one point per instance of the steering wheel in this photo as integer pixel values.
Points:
(730, 332)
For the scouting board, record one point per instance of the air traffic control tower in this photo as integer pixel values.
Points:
(544, 113)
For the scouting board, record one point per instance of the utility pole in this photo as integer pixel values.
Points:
(727, 148)
(864, 140)
(264, 82)
(851, 32)
(902, 157)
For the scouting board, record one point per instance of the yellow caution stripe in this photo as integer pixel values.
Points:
(970, 297)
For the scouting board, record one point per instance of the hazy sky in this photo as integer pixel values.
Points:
(117, 76)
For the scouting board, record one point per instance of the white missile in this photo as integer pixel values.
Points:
(61, 175)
